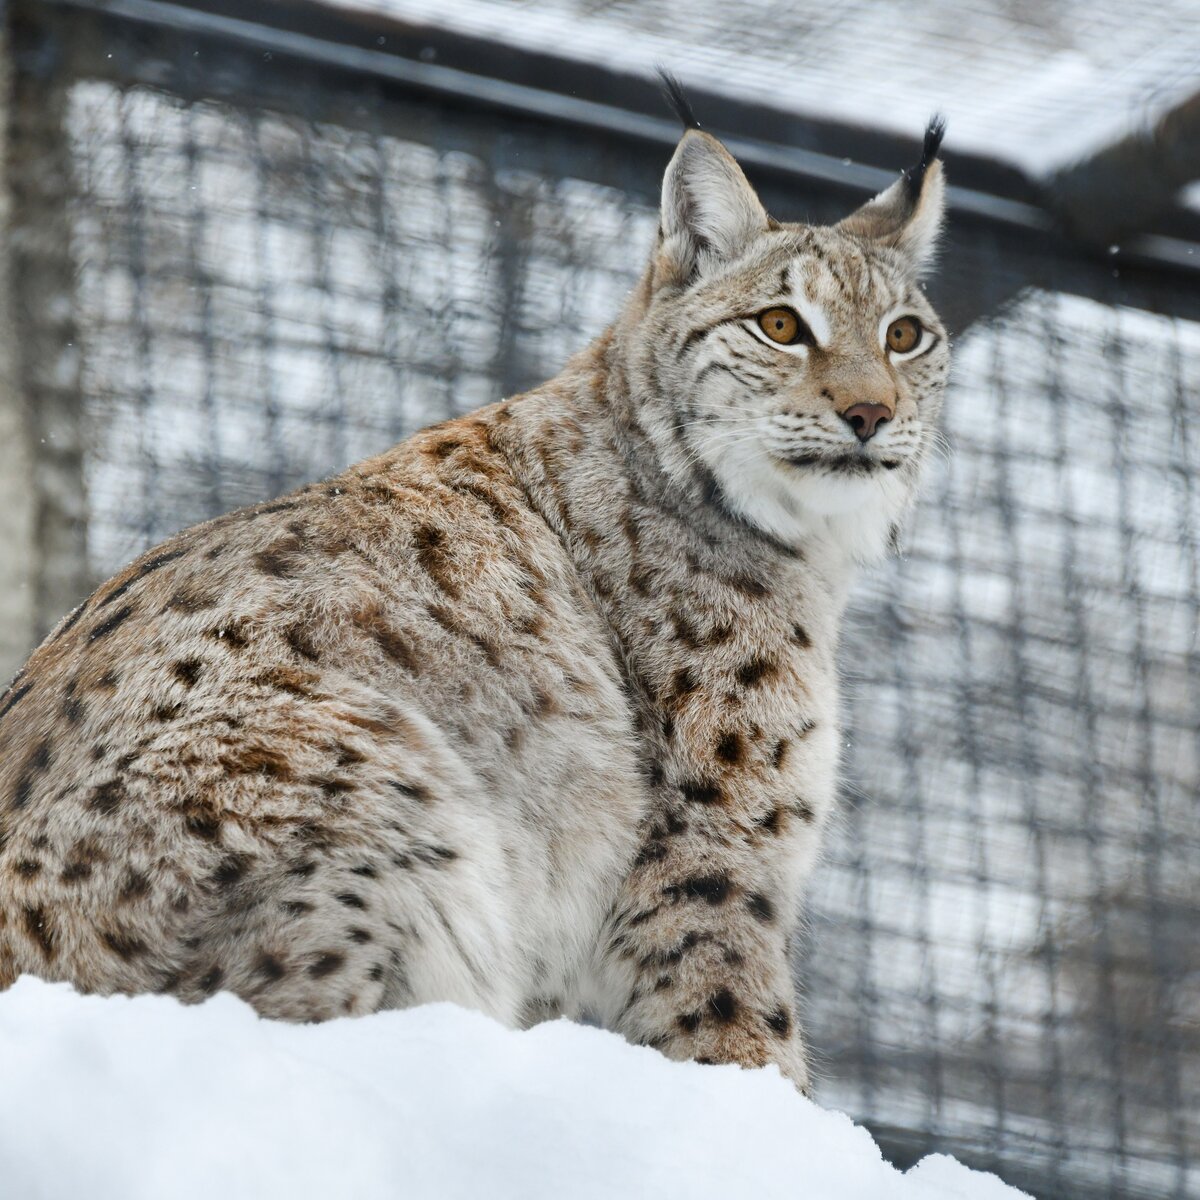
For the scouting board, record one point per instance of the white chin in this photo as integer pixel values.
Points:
(793, 503)
(833, 494)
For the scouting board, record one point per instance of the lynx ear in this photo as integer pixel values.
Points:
(908, 215)
(709, 209)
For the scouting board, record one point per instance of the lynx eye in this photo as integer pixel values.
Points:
(904, 334)
(782, 325)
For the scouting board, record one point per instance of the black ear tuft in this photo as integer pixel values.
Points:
(914, 177)
(673, 92)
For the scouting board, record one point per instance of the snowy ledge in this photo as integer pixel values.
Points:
(124, 1099)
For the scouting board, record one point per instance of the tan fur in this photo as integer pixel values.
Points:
(535, 712)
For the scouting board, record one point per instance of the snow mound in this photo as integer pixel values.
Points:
(123, 1099)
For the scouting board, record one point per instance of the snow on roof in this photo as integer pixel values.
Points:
(1037, 86)
(137, 1099)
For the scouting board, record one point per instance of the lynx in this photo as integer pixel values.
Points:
(536, 712)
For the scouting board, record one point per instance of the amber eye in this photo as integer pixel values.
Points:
(904, 335)
(781, 325)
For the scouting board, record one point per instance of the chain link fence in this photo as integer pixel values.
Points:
(233, 274)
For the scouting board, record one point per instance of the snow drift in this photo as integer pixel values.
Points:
(124, 1099)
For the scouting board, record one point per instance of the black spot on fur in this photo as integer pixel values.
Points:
(211, 980)
(779, 754)
(667, 958)
(124, 945)
(771, 822)
(414, 791)
(754, 671)
(333, 788)
(350, 900)
(685, 630)
(435, 856)
(187, 671)
(106, 627)
(296, 908)
(358, 935)
(346, 757)
(683, 683)
(390, 642)
(761, 907)
(40, 759)
(106, 797)
(800, 637)
(136, 886)
(280, 558)
(366, 871)
(780, 1022)
(203, 825)
(151, 564)
(651, 852)
(167, 712)
(40, 930)
(72, 707)
(723, 1005)
(749, 586)
(35, 765)
(27, 868)
(230, 870)
(729, 747)
(688, 1022)
(700, 791)
(235, 635)
(190, 599)
(713, 888)
(299, 641)
(270, 968)
(804, 811)
(76, 870)
(326, 964)
(429, 544)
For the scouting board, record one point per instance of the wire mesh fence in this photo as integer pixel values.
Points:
(234, 275)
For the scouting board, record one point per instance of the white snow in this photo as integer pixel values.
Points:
(123, 1099)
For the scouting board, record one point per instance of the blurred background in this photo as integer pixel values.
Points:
(249, 242)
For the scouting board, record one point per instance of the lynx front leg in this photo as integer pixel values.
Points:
(694, 957)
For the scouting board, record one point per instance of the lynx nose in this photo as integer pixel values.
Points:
(864, 419)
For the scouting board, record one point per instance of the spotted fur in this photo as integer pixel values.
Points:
(535, 712)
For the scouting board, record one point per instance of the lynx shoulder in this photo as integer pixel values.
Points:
(535, 712)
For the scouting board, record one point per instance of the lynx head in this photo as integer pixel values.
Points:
(801, 366)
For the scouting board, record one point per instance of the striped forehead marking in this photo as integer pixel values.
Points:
(811, 311)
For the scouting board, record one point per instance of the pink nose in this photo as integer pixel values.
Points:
(864, 419)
